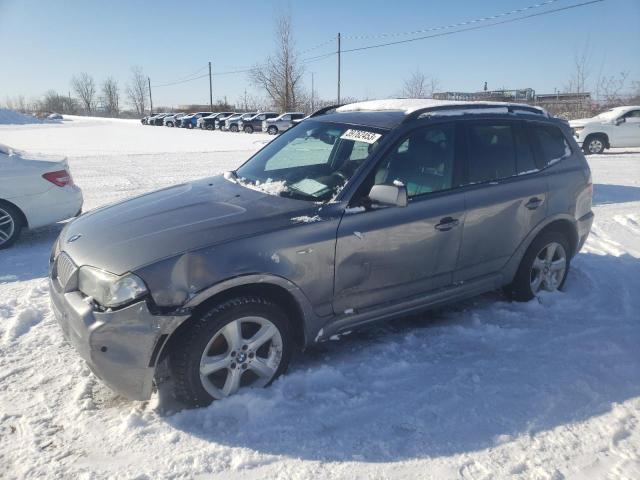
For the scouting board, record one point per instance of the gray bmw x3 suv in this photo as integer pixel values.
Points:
(358, 214)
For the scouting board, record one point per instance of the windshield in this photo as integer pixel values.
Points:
(312, 161)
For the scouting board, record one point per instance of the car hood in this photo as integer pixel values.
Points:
(128, 235)
(581, 122)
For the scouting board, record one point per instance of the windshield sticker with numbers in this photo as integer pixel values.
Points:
(361, 136)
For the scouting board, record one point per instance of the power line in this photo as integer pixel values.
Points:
(477, 27)
(453, 25)
(178, 82)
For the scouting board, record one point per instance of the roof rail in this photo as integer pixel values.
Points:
(473, 106)
(324, 110)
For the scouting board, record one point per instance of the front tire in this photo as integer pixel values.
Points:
(233, 128)
(248, 129)
(594, 144)
(10, 224)
(242, 342)
(545, 266)
(169, 124)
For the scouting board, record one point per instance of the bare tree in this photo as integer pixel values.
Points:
(280, 76)
(581, 71)
(85, 88)
(111, 97)
(610, 89)
(419, 85)
(138, 90)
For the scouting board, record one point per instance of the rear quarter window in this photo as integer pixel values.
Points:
(552, 142)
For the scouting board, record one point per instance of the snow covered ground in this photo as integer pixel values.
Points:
(489, 389)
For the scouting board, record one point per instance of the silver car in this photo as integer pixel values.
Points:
(274, 126)
(366, 213)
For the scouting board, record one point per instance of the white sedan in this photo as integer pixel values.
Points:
(34, 192)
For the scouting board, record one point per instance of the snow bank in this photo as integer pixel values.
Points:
(11, 117)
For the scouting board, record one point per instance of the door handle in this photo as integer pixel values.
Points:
(533, 203)
(446, 224)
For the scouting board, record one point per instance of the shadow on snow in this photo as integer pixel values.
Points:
(452, 381)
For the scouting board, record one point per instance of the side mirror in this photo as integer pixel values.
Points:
(391, 195)
(620, 120)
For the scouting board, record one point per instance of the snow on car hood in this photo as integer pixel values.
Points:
(128, 235)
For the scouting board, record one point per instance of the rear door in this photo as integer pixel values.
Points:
(393, 253)
(505, 195)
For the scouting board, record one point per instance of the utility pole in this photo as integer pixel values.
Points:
(339, 51)
(210, 89)
(312, 94)
(150, 98)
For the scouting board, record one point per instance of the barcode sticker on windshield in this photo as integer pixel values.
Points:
(361, 136)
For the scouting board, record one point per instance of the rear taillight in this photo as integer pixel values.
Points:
(60, 178)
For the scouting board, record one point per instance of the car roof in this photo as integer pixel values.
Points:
(389, 113)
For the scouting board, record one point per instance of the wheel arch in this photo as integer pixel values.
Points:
(280, 291)
(23, 217)
(607, 144)
(564, 224)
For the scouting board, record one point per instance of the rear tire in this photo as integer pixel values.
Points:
(169, 124)
(208, 126)
(248, 129)
(272, 130)
(11, 224)
(594, 144)
(245, 341)
(233, 128)
(545, 266)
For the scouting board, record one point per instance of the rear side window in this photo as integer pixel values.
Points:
(491, 152)
(553, 145)
(525, 160)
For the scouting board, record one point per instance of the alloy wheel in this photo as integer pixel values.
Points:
(548, 269)
(595, 146)
(7, 226)
(245, 352)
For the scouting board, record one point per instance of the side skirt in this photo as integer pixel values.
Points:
(360, 318)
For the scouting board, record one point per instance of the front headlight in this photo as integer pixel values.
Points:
(577, 130)
(110, 290)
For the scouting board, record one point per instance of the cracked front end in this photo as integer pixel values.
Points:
(121, 345)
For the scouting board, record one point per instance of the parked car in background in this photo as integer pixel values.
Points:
(254, 123)
(617, 127)
(273, 126)
(372, 212)
(156, 120)
(234, 124)
(183, 120)
(219, 121)
(209, 122)
(34, 192)
(170, 120)
(191, 121)
(144, 119)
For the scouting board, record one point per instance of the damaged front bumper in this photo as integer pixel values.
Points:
(121, 347)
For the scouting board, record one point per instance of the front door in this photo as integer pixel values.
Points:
(627, 133)
(386, 254)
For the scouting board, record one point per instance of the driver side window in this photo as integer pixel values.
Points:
(422, 161)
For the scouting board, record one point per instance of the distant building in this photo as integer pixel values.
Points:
(525, 95)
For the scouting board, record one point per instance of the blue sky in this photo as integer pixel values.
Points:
(43, 43)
